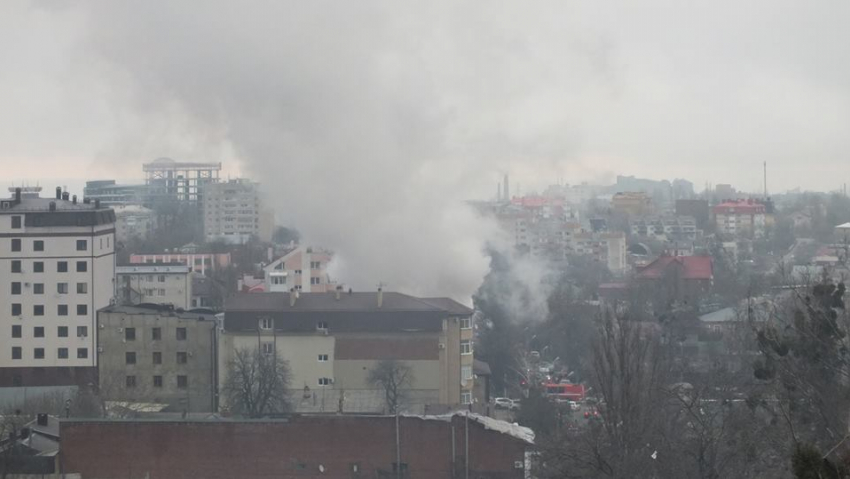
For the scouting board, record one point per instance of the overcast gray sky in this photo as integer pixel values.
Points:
(378, 116)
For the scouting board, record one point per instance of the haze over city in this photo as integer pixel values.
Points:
(418, 240)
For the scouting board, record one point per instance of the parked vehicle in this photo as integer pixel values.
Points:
(574, 406)
(503, 403)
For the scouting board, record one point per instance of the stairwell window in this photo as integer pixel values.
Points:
(465, 323)
(268, 348)
(466, 347)
(266, 324)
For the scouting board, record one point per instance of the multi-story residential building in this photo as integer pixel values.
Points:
(632, 204)
(58, 261)
(112, 194)
(304, 268)
(158, 284)
(157, 355)
(609, 248)
(198, 262)
(467, 337)
(133, 221)
(184, 182)
(665, 228)
(333, 340)
(234, 211)
(746, 218)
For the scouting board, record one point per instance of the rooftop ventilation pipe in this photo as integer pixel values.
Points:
(58, 192)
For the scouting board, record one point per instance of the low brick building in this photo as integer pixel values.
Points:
(431, 447)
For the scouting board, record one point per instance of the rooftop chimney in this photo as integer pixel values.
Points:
(74, 199)
(380, 297)
(66, 196)
(18, 195)
(58, 192)
(292, 297)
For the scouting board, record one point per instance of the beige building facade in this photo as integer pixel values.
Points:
(157, 283)
(58, 261)
(234, 211)
(333, 340)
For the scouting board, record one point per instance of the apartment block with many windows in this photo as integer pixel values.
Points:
(57, 256)
(234, 212)
(154, 354)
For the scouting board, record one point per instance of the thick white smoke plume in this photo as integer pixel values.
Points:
(369, 124)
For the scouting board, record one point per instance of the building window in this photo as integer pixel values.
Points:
(156, 334)
(181, 334)
(16, 288)
(82, 288)
(82, 266)
(16, 266)
(16, 244)
(62, 331)
(465, 373)
(162, 278)
(297, 271)
(82, 353)
(130, 358)
(82, 331)
(130, 334)
(62, 266)
(157, 357)
(38, 353)
(16, 352)
(16, 222)
(182, 358)
(322, 326)
(38, 267)
(82, 309)
(130, 381)
(157, 381)
(465, 323)
(315, 280)
(62, 288)
(38, 332)
(82, 245)
(16, 309)
(38, 245)
(38, 310)
(62, 310)
(62, 353)
(162, 292)
(466, 398)
(38, 288)
(266, 323)
(16, 330)
(315, 265)
(323, 358)
(325, 381)
(182, 382)
(466, 347)
(268, 348)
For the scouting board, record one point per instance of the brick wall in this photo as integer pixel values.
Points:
(303, 447)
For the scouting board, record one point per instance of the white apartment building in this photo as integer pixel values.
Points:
(234, 211)
(156, 284)
(57, 256)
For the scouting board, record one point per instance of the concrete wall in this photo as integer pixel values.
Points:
(177, 288)
(306, 447)
(199, 368)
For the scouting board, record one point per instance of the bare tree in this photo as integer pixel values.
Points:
(393, 378)
(257, 383)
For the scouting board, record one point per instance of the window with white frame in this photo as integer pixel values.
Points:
(465, 323)
(268, 348)
(322, 326)
(466, 347)
(323, 358)
(266, 323)
(465, 373)
(325, 381)
(466, 398)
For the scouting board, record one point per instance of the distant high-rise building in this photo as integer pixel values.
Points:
(112, 194)
(234, 211)
(181, 181)
(506, 186)
(58, 261)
